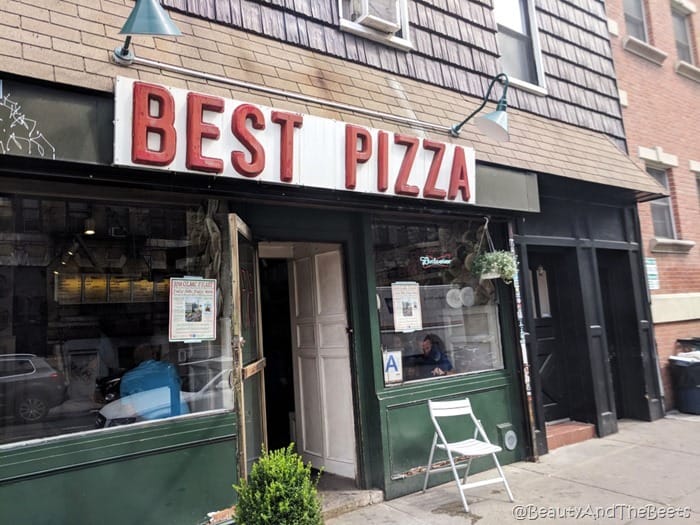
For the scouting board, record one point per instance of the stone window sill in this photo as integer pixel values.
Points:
(644, 50)
(661, 245)
(688, 70)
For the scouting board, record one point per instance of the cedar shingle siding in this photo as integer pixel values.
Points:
(455, 47)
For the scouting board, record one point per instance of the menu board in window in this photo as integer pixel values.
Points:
(142, 291)
(95, 288)
(119, 289)
(162, 290)
(68, 289)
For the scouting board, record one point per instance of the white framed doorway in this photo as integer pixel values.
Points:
(323, 422)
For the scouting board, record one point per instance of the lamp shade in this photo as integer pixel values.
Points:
(494, 125)
(149, 18)
(89, 226)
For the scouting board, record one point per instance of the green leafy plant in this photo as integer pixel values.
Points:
(280, 490)
(499, 262)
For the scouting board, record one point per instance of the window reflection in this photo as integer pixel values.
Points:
(440, 317)
(84, 317)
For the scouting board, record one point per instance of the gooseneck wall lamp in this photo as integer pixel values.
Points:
(147, 18)
(495, 124)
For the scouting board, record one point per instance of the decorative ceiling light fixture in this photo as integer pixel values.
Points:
(89, 226)
(495, 124)
(147, 18)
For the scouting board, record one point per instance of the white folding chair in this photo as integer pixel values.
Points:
(471, 448)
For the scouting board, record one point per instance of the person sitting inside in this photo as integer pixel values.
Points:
(154, 376)
(435, 357)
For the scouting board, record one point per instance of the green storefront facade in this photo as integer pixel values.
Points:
(175, 469)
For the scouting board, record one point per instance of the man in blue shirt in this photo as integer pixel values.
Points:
(435, 356)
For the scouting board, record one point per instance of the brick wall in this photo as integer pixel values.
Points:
(664, 110)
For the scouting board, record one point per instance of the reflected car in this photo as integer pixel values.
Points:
(29, 387)
(155, 403)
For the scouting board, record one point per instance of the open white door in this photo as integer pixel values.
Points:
(325, 429)
(249, 362)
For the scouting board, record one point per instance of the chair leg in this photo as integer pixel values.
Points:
(459, 482)
(503, 477)
(430, 462)
(466, 470)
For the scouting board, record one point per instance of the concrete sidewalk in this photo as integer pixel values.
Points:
(647, 472)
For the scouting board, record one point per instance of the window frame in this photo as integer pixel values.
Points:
(627, 16)
(407, 236)
(688, 40)
(402, 42)
(660, 173)
(529, 12)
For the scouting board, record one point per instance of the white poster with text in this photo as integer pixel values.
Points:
(407, 310)
(192, 309)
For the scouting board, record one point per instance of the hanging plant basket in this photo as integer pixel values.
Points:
(495, 264)
(492, 264)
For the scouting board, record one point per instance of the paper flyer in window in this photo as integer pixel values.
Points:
(406, 304)
(192, 309)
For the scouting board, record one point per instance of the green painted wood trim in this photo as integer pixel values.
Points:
(497, 393)
(176, 487)
(353, 231)
(370, 375)
(94, 448)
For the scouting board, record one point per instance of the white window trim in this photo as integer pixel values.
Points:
(404, 42)
(684, 7)
(665, 244)
(656, 157)
(645, 23)
(526, 86)
(688, 70)
(536, 49)
(644, 50)
(541, 87)
(688, 34)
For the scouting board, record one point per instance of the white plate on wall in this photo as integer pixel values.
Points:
(466, 296)
(453, 298)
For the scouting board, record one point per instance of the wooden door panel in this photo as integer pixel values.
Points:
(323, 387)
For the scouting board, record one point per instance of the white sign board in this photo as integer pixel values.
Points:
(164, 128)
(393, 371)
(192, 309)
(652, 273)
(405, 298)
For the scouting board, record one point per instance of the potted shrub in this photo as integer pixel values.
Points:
(280, 490)
(494, 264)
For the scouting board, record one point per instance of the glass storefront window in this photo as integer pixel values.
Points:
(438, 317)
(84, 314)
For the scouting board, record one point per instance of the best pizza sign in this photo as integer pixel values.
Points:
(165, 128)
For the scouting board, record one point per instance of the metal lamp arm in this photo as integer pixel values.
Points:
(454, 130)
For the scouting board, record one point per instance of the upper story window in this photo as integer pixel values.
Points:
(681, 33)
(634, 19)
(383, 21)
(517, 40)
(661, 211)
